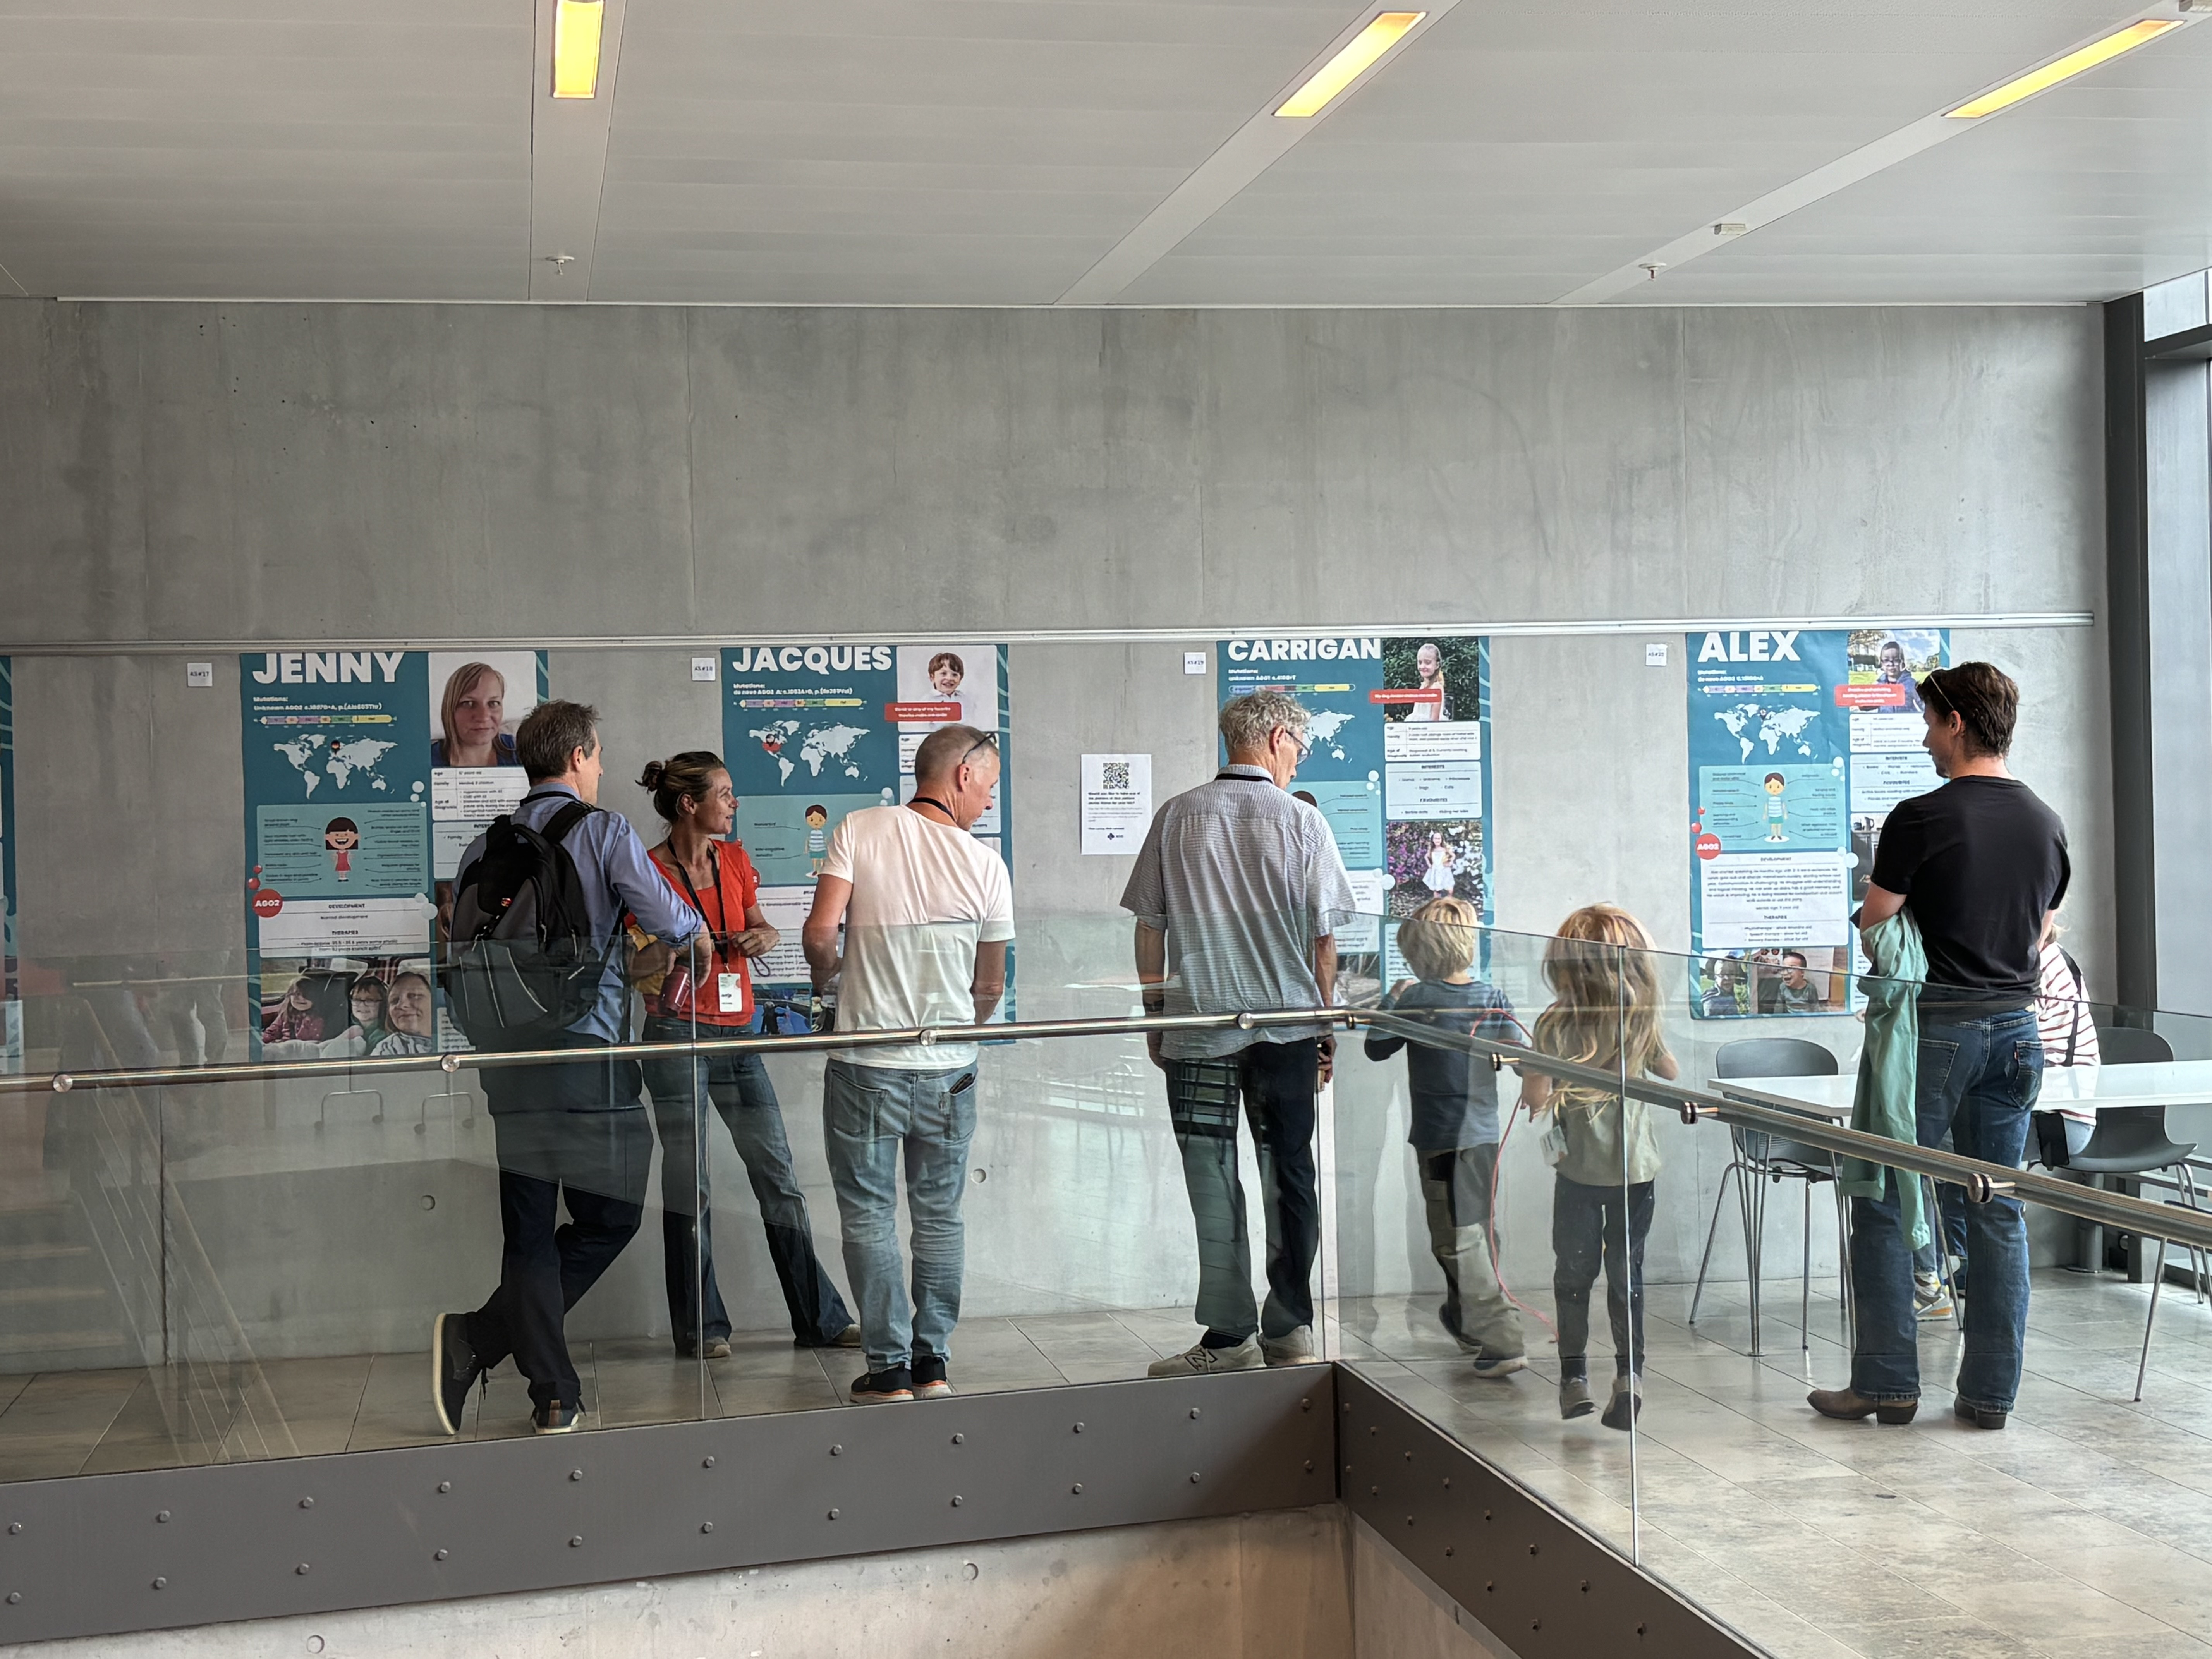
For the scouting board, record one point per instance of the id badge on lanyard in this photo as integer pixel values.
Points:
(732, 993)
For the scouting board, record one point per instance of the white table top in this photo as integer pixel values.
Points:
(2074, 1088)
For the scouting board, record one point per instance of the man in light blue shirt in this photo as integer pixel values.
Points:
(573, 1131)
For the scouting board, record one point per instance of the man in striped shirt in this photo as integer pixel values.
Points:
(1238, 892)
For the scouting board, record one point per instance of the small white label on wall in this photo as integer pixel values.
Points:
(1654, 656)
(199, 674)
(1194, 662)
(702, 668)
(1117, 802)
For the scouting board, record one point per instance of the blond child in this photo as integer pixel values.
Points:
(1604, 1013)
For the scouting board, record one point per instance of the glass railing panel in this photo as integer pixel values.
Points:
(1471, 1231)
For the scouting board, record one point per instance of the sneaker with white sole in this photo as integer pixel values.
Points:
(1929, 1299)
(1199, 1360)
(455, 1370)
(555, 1416)
(1295, 1348)
(930, 1382)
(876, 1388)
(1487, 1366)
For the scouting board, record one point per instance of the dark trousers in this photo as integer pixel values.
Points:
(1588, 1228)
(738, 1085)
(571, 1132)
(1278, 1085)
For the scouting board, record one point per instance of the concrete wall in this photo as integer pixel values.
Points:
(1266, 1586)
(285, 473)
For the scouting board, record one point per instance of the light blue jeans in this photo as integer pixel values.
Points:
(874, 1118)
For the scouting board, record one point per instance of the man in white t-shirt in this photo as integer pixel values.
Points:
(927, 912)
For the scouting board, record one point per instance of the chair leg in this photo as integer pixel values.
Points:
(1720, 1199)
(1843, 1262)
(1805, 1281)
(2157, 1278)
(1754, 1245)
(1943, 1254)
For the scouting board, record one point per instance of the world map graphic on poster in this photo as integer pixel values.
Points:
(1773, 727)
(341, 758)
(821, 745)
(1326, 725)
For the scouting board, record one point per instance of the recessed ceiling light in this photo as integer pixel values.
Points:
(2074, 64)
(576, 26)
(1341, 70)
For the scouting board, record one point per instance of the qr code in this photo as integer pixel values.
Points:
(1114, 776)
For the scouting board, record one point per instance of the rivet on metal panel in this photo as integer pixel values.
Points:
(959, 1439)
(161, 1583)
(161, 1514)
(1375, 1492)
(1194, 1477)
(1490, 1583)
(1532, 1549)
(1409, 1457)
(1305, 1405)
(1486, 1515)
(1409, 1520)
(836, 1451)
(1639, 1630)
(1079, 1428)
(576, 1474)
(15, 1526)
(1372, 1429)
(307, 1503)
(705, 1462)
(577, 1542)
(437, 1555)
(1347, 1469)
(301, 1569)
(1535, 1624)
(445, 1485)
(1447, 1483)
(957, 1500)
(1448, 1549)
(1585, 1587)
(1077, 1489)
(706, 1526)
(833, 1514)
(14, 1597)
(1310, 1465)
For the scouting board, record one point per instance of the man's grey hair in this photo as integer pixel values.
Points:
(1247, 720)
(946, 747)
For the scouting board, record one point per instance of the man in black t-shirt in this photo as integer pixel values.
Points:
(1978, 866)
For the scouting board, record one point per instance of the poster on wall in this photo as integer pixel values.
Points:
(814, 731)
(11, 1001)
(1801, 742)
(1400, 763)
(367, 775)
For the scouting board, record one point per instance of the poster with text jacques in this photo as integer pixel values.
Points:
(1399, 762)
(367, 775)
(1801, 741)
(812, 732)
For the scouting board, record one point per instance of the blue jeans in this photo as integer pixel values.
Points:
(683, 1084)
(874, 1119)
(1978, 1079)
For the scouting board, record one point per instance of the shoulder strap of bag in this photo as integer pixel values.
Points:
(2074, 1028)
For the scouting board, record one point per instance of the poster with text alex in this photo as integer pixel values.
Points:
(1801, 741)
(367, 774)
(1399, 764)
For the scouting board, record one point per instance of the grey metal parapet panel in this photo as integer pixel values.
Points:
(1535, 1580)
(102, 1555)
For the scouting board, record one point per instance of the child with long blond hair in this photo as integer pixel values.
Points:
(1604, 1013)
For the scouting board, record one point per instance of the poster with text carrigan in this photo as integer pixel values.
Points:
(813, 731)
(1398, 765)
(1801, 741)
(367, 774)
(11, 1002)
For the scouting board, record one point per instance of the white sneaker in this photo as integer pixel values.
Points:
(1200, 1360)
(1295, 1349)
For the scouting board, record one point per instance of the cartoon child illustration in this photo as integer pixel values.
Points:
(341, 836)
(817, 836)
(1777, 815)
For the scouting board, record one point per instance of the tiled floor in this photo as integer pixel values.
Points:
(2083, 1530)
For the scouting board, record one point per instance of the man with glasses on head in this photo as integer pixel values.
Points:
(1238, 892)
(927, 911)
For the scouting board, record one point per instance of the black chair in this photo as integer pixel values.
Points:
(2132, 1140)
(2128, 1045)
(1762, 1156)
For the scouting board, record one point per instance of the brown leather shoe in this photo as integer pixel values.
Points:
(1852, 1407)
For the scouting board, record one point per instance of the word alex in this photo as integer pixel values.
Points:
(331, 667)
(1767, 645)
(818, 659)
(1303, 650)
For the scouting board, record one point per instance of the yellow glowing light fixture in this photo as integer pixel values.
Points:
(2074, 64)
(1348, 65)
(576, 47)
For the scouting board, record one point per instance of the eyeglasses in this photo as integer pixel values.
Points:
(989, 740)
(1303, 745)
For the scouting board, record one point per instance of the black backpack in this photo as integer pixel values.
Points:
(523, 963)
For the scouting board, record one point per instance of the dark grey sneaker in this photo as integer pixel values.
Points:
(454, 1370)
(896, 1383)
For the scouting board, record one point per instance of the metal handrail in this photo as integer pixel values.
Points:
(1981, 1181)
(807, 1042)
